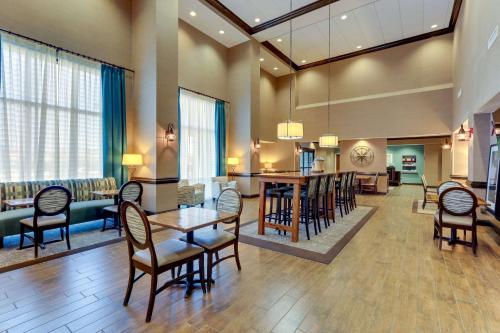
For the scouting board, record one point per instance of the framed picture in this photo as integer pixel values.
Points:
(492, 181)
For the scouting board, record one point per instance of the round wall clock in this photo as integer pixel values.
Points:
(362, 156)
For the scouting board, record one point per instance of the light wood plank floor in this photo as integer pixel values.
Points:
(390, 278)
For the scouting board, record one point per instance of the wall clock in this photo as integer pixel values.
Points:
(362, 156)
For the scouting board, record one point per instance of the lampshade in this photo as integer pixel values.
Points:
(268, 165)
(132, 159)
(233, 161)
(290, 130)
(328, 141)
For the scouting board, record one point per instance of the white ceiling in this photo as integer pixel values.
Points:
(369, 23)
(272, 64)
(265, 10)
(209, 22)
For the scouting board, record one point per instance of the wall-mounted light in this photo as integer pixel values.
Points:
(446, 145)
(169, 133)
(256, 143)
(464, 135)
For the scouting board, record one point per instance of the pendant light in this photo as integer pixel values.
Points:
(290, 130)
(329, 140)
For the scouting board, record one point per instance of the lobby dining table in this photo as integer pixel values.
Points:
(108, 194)
(297, 179)
(187, 221)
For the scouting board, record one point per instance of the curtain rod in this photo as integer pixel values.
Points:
(65, 50)
(202, 94)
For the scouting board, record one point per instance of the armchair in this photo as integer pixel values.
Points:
(221, 183)
(190, 195)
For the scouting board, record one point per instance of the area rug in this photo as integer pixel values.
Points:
(83, 237)
(430, 208)
(322, 248)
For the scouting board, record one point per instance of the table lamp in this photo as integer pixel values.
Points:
(233, 162)
(132, 161)
(268, 165)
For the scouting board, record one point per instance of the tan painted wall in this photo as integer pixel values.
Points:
(268, 105)
(202, 62)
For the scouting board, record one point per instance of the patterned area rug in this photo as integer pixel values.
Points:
(321, 248)
(430, 208)
(84, 236)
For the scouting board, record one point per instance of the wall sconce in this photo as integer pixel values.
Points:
(464, 135)
(256, 143)
(169, 133)
(446, 145)
(299, 151)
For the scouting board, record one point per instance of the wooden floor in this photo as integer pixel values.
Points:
(390, 278)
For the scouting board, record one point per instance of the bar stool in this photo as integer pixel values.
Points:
(321, 197)
(340, 196)
(332, 179)
(308, 196)
(276, 192)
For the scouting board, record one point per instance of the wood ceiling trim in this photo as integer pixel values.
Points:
(216, 4)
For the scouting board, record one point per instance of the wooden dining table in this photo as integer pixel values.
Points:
(297, 179)
(187, 221)
(108, 194)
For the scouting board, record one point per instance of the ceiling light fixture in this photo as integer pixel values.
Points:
(257, 20)
(192, 13)
(359, 47)
(343, 17)
(290, 130)
(329, 140)
(304, 61)
(279, 40)
(275, 68)
(221, 32)
(434, 26)
(261, 59)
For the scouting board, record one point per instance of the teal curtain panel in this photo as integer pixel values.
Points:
(220, 138)
(114, 126)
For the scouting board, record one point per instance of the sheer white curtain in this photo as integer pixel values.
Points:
(50, 114)
(197, 139)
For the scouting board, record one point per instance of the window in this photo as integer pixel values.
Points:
(197, 144)
(50, 113)
(306, 159)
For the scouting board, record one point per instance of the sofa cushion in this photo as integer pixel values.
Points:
(83, 211)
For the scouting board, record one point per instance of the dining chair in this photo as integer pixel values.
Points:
(214, 240)
(371, 186)
(457, 210)
(130, 191)
(352, 190)
(341, 194)
(51, 212)
(155, 259)
(427, 191)
(446, 185)
(321, 197)
(331, 195)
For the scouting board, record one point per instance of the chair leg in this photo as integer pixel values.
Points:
(104, 223)
(440, 232)
(216, 255)
(435, 231)
(424, 203)
(474, 240)
(209, 271)
(152, 294)
(325, 211)
(36, 238)
(316, 214)
(21, 241)
(237, 255)
(130, 285)
(119, 221)
(201, 272)
(67, 238)
(61, 231)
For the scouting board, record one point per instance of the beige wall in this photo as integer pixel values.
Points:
(268, 105)
(202, 62)
(409, 85)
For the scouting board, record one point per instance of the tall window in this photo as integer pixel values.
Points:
(50, 114)
(197, 139)
(306, 159)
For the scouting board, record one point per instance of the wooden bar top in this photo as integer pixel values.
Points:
(293, 175)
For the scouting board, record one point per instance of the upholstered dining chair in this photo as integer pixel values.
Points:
(457, 210)
(370, 186)
(330, 206)
(154, 259)
(130, 191)
(446, 185)
(322, 195)
(341, 194)
(427, 191)
(51, 212)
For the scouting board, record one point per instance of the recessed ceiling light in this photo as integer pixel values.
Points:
(261, 59)
(221, 32)
(257, 20)
(279, 40)
(434, 26)
(275, 68)
(343, 17)
(304, 61)
(359, 46)
(192, 13)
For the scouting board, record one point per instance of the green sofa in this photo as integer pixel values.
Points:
(85, 207)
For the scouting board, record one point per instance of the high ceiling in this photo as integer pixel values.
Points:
(357, 26)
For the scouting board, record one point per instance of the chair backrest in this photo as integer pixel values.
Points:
(343, 180)
(424, 183)
(230, 200)
(377, 175)
(458, 201)
(131, 191)
(52, 200)
(137, 229)
(312, 187)
(331, 183)
(353, 179)
(448, 184)
(323, 185)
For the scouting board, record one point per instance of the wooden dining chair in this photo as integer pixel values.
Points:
(429, 192)
(214, 240)
(51, 212)
(446, 185)
(457, 210)
(154, 259)
(370, 186)
(130, 191)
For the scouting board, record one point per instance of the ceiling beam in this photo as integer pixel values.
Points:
(217, 5)
(291, 15)
(280, 54)
(454, 14)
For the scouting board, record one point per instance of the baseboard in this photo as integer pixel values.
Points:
(249, 196)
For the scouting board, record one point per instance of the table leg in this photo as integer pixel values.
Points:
(262, 208)
(296, 213)
(189, 268)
